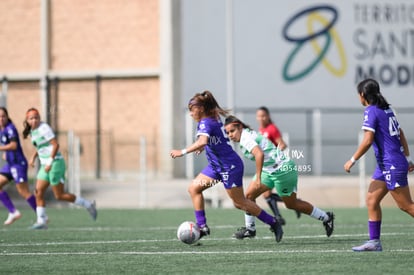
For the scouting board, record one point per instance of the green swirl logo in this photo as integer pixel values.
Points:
(313, 15)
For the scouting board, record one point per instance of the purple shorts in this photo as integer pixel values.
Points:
(17, 172)
(232, 177)
(392, 177)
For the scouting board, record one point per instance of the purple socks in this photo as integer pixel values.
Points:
(32, 202)
(5, 199)
(266, 218)
(374, 228)
(200, 216)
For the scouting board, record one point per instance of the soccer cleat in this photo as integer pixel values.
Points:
(329, 224)
(244, 232)
(281, 220)
(13, 217)
(204, 231)
(298, 213)
(371, 245)
(39, 226)
(92, 210)
(276, 228)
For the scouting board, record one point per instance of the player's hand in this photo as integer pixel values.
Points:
(47, 168)
(257, 183)
(348, 165)
(32, 162)
(176, 153)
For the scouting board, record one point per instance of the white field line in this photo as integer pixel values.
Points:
(174, 240)
(167, 228)
(311, 251)
(79, 243)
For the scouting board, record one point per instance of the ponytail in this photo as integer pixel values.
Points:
(369, 89)
(26, 129)
(207, 100)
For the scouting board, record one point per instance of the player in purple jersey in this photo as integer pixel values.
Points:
(383, 132)
(224, 164)
(14, 169)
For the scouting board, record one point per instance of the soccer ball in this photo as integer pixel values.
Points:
(188, 232)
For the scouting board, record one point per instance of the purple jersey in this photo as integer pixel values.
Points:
(7, 135)
(219, 152)
(387, 144)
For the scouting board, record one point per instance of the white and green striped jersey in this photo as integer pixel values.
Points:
(41, 137)
(273, 156)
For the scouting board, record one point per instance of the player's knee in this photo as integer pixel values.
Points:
(371, 202)
(192, 190)
(238, 206)
(250, 196)
(38, 193)
(59, 196)
(290, 205)
(197, 187)
(371, 199)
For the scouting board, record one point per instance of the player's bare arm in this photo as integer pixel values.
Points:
(366, 143)
(197, 146)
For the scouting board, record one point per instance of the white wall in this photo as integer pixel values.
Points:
(371, 36)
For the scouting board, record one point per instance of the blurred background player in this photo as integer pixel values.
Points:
(273, 170)
(52, 170)
(383, 132)
(224, 164)
(269, 129)
(15, 167)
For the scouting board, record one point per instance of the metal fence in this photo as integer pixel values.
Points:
(321, 139)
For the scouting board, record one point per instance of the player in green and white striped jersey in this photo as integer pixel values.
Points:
(52, 170)
(273, 170)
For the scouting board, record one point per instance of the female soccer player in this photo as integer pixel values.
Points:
(15, 167)
(273, 170)
(52, 170)
(224, 165)
(383, 132)
(269, 129)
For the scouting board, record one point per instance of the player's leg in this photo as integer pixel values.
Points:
(241, 202)
(60, 194)
(376, 192)
(249, 230)
(57, 178)
(272, 199)
(40, 190)
(403, 199)
(401, 191)
(203, 181)
(24, 191)
(285, 183)
(13, 214)
(327, 218)
(19, 173)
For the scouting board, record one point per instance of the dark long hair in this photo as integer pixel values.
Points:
(266, 110)
(4, 109)
(369, 89)
(234, 120)
(207, 100)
